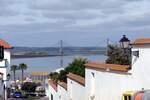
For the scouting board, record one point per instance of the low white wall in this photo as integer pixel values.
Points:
(54, 93)
(106, 85)
(63, 93)
(76, 91)
(47, 91)
(141, 66)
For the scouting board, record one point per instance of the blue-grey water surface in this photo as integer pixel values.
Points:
(48, 64)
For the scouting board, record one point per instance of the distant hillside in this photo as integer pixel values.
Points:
(54, 51)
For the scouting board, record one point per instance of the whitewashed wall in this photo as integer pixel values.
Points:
(54, 93)
(111, 86)
(106, 85)
(76, 91)
(63, 94)
(5, 70)
(141, 67)
(47, 91)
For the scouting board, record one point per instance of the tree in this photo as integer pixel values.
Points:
(76, 67)
(62, 75)
(54, 76)
(29, 86)
(22, 67)
(14, 68)
(117, 55)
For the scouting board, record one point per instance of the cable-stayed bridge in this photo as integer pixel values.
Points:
(61, 48)
(64, 48)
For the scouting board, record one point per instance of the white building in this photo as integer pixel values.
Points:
(39, 76)
(5, 64)
(110, 81)
(76, 89)
(51, 90)
(62, 91)
(106, 81)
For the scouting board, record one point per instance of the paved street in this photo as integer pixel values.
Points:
(16, 99)
(44, 98)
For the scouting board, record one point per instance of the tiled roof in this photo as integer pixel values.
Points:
(63, 84)
(141, 41)
(5, 44)
(53, 84)
(110, 67)
(77, 78)
(39, 73)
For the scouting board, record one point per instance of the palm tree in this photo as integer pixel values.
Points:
(22, 67)
(14, 68)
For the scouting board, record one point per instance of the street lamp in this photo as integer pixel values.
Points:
(124, 42)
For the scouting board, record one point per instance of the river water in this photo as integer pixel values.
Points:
(48, 64)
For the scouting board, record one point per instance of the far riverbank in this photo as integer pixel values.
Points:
(48, 64)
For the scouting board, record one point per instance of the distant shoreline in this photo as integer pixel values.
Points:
(37, 56)
(28, 56)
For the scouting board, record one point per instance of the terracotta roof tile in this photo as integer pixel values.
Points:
(39, 73)
(5, 44)
(141, 41)
(63, 84)
(110, 67)
(77, 78)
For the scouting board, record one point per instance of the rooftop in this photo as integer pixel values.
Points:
(63, 84)
(39, 73)
(110, 67)
(5, 44)
(53, 84)
(77, 78)
(141, 41)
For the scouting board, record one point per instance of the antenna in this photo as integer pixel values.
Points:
(61, 53)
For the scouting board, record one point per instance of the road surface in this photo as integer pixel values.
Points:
(44, 98)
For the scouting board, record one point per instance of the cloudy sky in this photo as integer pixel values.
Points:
(77, 22)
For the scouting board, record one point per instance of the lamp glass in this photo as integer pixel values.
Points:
(124, 42)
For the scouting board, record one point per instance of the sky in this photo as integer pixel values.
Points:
(41, 23)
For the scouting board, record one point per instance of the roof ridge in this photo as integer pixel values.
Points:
(5, 44)
(77, 78)
(141, 41)
(104, 66)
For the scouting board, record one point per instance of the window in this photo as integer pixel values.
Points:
(51, 97)
(93, 74)
(1, 52)
(135, 53)
(127, 97)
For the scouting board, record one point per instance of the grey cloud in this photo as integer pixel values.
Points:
(75, 4)
(74, 17)
(6, 8)
(81, 14)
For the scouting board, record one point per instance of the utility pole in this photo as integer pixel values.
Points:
(107, 43)
(61, 53)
